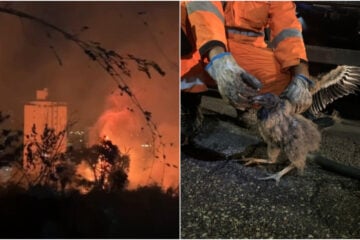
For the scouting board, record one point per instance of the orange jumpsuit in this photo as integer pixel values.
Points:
(239, 27)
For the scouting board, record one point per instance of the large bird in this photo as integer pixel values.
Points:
(284, 130)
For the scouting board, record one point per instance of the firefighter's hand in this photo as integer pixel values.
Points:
(235, 85)
(298, 93)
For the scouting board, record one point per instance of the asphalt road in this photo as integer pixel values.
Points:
(221, 198)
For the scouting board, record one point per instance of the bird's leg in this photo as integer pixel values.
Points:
(272, 152)
(251, 161)
(278, 175)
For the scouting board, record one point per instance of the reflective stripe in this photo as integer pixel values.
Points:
(186, 85)
(204, 6)
(286, 33)
(244, 32)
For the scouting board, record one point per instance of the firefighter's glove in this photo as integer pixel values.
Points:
(298, 93)
(235, 85)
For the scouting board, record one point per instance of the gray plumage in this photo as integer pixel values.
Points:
(283, 130)
(337, 83)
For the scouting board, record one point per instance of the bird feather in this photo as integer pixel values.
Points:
(337, 83)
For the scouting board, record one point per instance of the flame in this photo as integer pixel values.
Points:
(84, 170)
(127, 130)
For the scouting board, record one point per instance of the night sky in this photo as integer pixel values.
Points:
(145, 29)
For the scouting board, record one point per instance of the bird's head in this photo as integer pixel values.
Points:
(267, 100)
(269, 103)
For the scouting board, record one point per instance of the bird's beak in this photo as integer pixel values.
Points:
(259, 99)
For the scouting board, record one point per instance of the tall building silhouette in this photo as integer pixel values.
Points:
(41, 113)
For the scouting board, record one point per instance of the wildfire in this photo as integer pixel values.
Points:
(126, 130)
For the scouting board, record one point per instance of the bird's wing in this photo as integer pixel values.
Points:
(337, 83)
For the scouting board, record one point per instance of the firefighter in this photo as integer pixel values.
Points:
(229, 43)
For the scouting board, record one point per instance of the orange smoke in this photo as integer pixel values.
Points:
(126, 128)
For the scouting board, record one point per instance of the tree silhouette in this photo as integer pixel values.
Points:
(43, 158)
(110, 166)
(10, 143)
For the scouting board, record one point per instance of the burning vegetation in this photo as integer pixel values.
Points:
(101, 166)
(44, 164)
